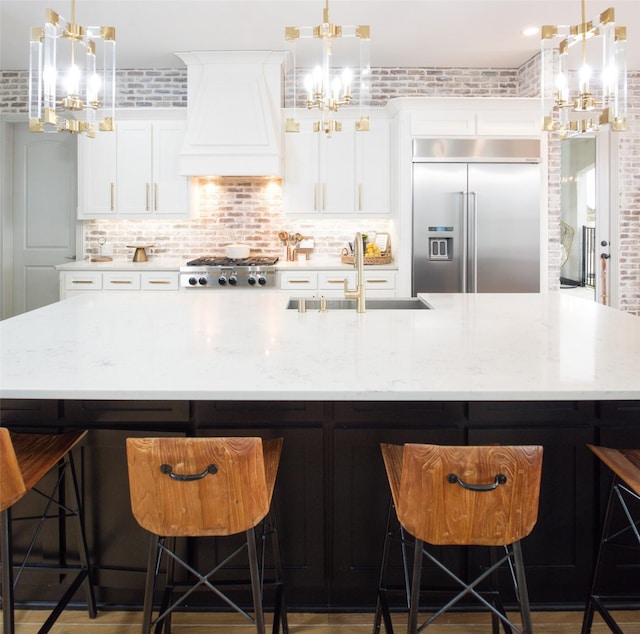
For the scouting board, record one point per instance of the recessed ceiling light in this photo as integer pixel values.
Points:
(531, 30)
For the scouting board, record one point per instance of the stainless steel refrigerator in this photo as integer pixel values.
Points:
(476, 216)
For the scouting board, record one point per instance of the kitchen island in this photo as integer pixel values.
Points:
(548, 369)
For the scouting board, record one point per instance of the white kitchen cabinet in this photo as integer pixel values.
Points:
(133, 172)
(76, 282)
(330, 282)
(344, 174)
(373, 168)
(97, 175)
(148, 177)
(120, 281)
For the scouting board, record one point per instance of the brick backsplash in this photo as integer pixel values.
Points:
(231, 209)
(250, 210)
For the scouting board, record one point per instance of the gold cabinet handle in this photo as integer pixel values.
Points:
(315, 197)
(340, 281)
(373, 281)
(299, 282)
(158, 281)
(359, 196)
(148, 191)
(120, 282)
(113, 190)
(82, 282)
(155, 197)
(324, 197)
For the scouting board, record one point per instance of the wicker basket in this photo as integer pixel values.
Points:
(383, 258)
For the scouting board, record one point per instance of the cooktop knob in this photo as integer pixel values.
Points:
(262, 280)
(222, 280)
(252, 280)
(233, 280)
(193, 281)
(202, 281)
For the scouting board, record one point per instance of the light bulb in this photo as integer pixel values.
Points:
(562, 89)
(72, 83)
(336, 84)
(317, 79)
(49, 82)
(585, 77)
(93, 88)
(347, 77)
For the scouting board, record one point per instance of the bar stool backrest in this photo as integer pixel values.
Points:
(12, 486)
(477, 495)
(197, 486)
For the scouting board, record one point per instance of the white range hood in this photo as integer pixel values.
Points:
(233, 113)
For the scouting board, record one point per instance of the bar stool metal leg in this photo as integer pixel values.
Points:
(8, 624)
(594, 601)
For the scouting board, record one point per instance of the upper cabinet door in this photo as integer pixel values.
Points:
(170, 190)
(338, 175)
(301, 188)
(97, 175)
(134, 167)
(373, 169)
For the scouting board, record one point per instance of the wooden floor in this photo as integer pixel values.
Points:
(74, 622)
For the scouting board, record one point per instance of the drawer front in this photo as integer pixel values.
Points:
(83, 281)
(334, 280)
(121, 281)
(159, 281)
(381, 280)
(291, 280)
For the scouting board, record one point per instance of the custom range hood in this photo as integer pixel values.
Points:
(233, 113)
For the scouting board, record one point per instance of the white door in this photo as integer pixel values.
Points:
(44, 214)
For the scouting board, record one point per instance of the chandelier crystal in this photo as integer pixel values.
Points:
(339, 76)
(584, 76)
(68, 90)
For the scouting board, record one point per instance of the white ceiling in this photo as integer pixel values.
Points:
(423, 33)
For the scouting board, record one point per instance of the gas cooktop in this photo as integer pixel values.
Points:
(219, 260)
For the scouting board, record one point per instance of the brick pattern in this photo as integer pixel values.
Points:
(249, 211)
(231, 209)
(629, 196)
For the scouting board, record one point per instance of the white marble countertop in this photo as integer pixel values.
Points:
(123, 264)
(248, 346)
(173, 264)
(327, 263)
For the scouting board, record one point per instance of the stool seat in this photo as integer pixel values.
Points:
(625, 463)
(624, 496)
(204, 487)
(26, 459)
(459, 496)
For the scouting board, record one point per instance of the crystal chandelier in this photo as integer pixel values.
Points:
(329, 83)
(67, 90)
(584, 77)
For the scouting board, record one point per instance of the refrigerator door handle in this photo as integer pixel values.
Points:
(472, 240)
(463, 239)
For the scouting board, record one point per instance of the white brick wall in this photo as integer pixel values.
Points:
(248, 210)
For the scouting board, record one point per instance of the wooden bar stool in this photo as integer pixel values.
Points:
(25, 460)
(624, 495)
(460, 496)
(205, 487)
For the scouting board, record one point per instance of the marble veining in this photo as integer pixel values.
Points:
(248, 346)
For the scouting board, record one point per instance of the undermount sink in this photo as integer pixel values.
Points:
(393, 303)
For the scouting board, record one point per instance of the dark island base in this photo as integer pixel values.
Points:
(332, 495)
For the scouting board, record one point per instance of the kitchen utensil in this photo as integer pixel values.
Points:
(140, 255)
(284, 236)
(238, 251)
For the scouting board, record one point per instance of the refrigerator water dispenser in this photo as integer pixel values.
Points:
(440, 248)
